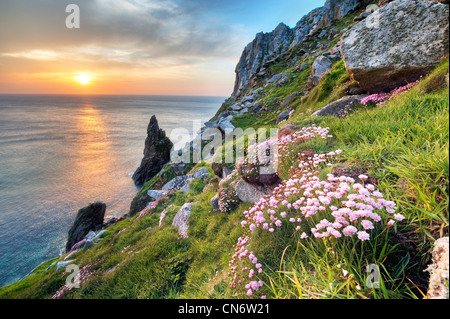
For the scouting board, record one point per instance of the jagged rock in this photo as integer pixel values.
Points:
(236, 107)
(181, 219)
(320, 66)
(337, 107)
(439, 271)
(396, 44)
(156, 153)
(182, 182)
(260, 52)
(88, 219)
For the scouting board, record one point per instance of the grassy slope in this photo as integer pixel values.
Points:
(403, 144)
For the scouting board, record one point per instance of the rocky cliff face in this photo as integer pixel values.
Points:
(156, 153)
(266, 47)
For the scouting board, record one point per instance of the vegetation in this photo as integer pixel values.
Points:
(401, 147)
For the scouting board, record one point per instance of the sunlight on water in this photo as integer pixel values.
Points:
(60, 153)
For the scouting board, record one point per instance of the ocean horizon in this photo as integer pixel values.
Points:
(61, 152)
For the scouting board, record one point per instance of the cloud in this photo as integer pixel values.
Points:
(124, 31)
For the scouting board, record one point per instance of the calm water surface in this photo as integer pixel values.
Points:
(60, 153)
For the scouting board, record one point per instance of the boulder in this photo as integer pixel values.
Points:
(155, 194)
(249, 193)
(320, 66)
(181, 219)
(337, 107)
(439, 272)
(397, 44)
(88, 219)
(182, 182)
(156, 153)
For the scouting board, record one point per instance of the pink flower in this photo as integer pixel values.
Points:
(349, 231)
(363, 236)
(399, 217)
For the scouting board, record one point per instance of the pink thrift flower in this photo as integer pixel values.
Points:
(363, 236)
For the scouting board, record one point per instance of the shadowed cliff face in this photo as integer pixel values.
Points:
(156, 153)
(268, 46)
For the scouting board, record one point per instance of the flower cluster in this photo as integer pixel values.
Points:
(381, 98)
(333, 209)
(82, 276)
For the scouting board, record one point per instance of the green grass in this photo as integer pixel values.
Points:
(403, 145)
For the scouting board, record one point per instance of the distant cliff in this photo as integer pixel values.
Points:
(266, 47)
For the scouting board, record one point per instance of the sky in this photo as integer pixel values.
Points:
(159, 47)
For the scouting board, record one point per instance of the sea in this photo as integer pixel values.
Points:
(59, 153)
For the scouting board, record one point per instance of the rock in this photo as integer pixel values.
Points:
(397, 44)
(181, 219)
(88, 218)
(139, 203)
(289, 99)
(275, 78)
(439, 272)
(335, 108)
(215, 203)
(155, 194)
(156, 153)
(236, 107)
(226, 126)
(182, 182)
(320, 66)
(249, 193)
(224, 115)
(248, 98)
(260, 52)
(355, 90)
(304, 67)
(226, 172)
(287, 129)
(284, 116)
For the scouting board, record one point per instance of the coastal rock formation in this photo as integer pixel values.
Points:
(267, 47)
(156, 153)
(397, 44)
(88, 219)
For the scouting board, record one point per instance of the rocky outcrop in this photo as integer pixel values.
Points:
(182, 182)
(397, 44)
(88, 219)
(267, 47)
(156, 153)
(181, 219)
(336, 108)
(439, 272)
(264, 47)
(250, 193)
(319, 68)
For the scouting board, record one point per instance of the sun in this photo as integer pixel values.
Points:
(84, 78)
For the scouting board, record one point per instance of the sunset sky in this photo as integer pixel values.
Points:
(164, 47)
